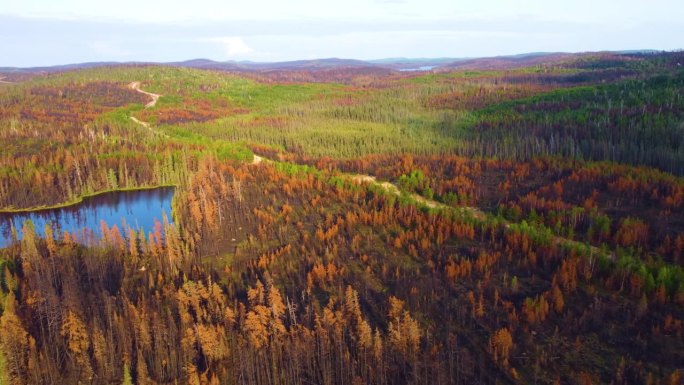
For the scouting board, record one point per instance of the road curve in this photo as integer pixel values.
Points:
(360, 178)
(136, 86)
(431, 203)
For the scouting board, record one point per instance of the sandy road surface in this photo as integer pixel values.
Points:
(140, 122)
(136, 86)
(473, 211)
(257, 159)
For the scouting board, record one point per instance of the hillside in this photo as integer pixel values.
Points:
(501, 221)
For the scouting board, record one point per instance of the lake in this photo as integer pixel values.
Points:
(422, 68)
(139, 209)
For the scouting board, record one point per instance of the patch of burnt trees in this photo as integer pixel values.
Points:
(332, 282)
(57, 150)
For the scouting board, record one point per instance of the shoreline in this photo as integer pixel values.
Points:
(81, 198)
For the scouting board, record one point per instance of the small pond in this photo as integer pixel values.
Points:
(138, 209)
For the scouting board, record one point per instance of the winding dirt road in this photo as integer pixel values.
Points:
(360, 178)
(155, 97)
(473, 211)
(136, 86)
(468, 210)
(390, 187)
(5, 81)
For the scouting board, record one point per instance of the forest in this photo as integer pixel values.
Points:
(341, 226)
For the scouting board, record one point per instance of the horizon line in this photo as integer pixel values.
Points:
(376, 61)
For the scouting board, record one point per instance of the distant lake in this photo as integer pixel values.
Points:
(423, 68)
(138, 209)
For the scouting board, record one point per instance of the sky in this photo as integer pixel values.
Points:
(52, 32)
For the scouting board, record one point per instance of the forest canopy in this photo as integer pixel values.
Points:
(454, 226)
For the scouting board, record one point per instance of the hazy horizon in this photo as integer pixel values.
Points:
(392, 60)
(42, 33)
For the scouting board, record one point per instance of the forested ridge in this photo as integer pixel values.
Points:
(536, 233)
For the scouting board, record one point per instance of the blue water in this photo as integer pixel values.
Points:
(422, 68)
(139, 210)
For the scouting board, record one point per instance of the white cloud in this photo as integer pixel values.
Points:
(108, 48)
(231, 45)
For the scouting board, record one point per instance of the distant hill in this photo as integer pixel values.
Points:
(58, 68)
(330, 64)
(404, 64)
(511, 61)
(298, 65)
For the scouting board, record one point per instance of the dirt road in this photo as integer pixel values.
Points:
(469, 210)
(360, 178)
(136, 86)
(416, 197)
(257, 159)
(140, 122)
